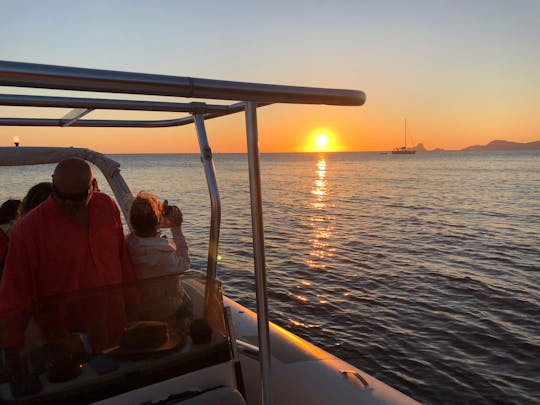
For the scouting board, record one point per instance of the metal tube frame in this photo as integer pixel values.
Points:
(19, 100)
(251, 95)
(20, 74)
(210, 111)
(215, 207)
(258, 252)
(73, 118)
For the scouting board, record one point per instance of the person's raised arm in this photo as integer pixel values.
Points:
(175, 218)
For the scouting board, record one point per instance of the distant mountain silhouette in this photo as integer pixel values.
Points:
(505, 145)
(493, 145)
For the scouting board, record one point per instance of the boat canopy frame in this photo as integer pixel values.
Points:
(247, 98)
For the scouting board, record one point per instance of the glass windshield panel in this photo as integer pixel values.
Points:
(83, 343)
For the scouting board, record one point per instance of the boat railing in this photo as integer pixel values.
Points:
(249, 96)
(110, 169)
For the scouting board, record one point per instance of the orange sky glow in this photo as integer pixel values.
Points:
(291, 129)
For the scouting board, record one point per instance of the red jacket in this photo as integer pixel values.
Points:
(50, 254)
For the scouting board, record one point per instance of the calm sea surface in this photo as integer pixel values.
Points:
(422, 270)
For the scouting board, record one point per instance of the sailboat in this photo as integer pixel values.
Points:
(403, 150)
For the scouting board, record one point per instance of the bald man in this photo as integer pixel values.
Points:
(73, 241)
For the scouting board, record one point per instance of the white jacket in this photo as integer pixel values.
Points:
(158, 256)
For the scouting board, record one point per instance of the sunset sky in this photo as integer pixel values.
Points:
(461, 72)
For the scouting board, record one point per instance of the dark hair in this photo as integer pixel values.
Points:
(144, 214)
(9, 211)
(35, 196)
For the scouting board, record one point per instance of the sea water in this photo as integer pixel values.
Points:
(422, 270)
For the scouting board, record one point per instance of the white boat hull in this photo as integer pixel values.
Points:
(304, 374)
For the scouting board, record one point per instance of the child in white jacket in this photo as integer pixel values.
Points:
(154, 256)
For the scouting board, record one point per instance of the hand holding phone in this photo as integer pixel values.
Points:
(171, 216)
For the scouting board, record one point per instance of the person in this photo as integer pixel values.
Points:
(9, 214)
(35, 196)
(17, 209)
(72, 241)
(153, 255)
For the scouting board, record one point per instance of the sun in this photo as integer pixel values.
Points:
(321, 141)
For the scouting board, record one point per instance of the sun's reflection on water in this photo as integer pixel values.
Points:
(319, 219)
(322, 225)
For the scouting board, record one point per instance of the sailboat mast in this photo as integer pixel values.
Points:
(405, 125)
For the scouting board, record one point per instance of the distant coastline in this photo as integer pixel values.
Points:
(492, 146)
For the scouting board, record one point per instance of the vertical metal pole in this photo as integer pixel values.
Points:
(215, 205)
(234, 351)
(258, 252)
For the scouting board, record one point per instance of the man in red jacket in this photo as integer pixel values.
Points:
(73, 241)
